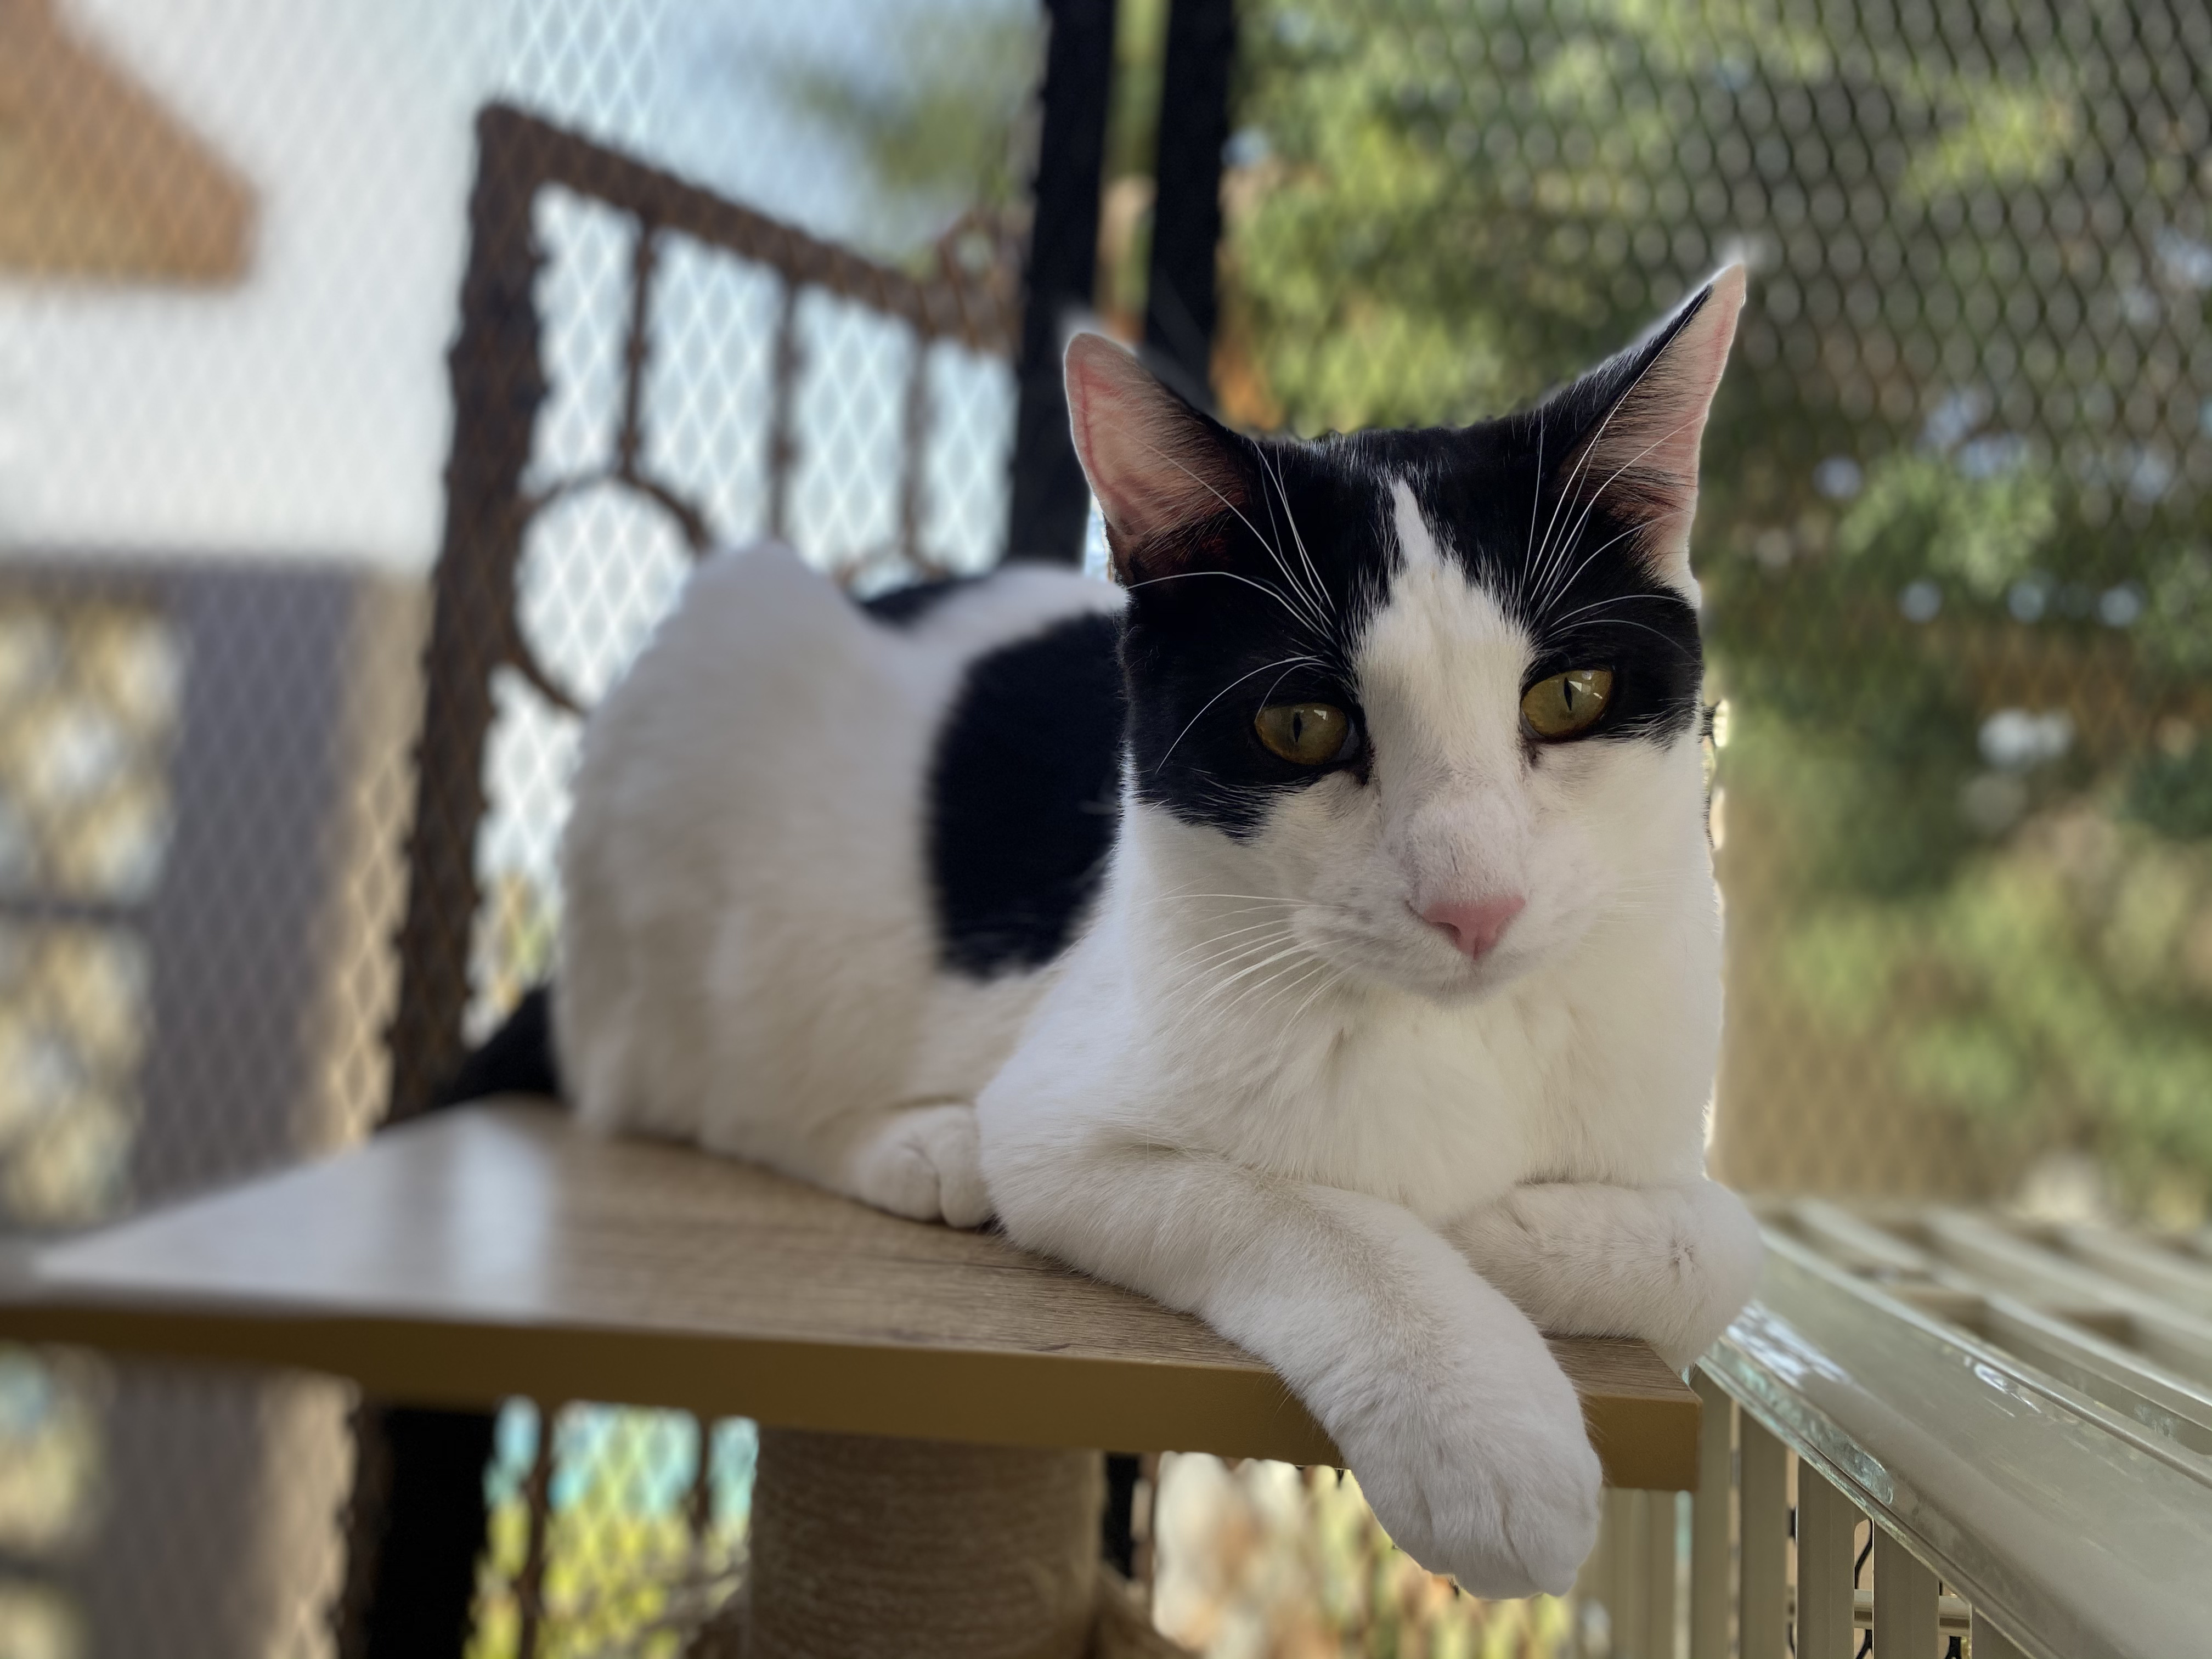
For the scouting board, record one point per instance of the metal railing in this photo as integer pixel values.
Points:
(1936, 1432)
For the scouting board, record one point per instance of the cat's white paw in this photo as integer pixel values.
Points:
(1672, 1264)
(1711, 1263)
(1502, 1492)
(925, 1163)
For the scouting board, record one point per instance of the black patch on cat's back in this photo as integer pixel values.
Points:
(1024, 796)
(901, 607)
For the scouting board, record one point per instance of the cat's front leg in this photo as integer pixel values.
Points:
(1466, 1438)
(1672, 1264)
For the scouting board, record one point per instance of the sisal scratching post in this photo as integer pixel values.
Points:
(871, 1548)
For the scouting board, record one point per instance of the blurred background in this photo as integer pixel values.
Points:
(1954, 544)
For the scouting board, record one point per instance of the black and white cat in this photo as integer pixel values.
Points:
(1316, 931)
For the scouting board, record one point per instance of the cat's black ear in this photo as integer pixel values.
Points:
(1156, 465)
(1641, 418)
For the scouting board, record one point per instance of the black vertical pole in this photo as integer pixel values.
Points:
(1180, 301)
(1050, 498)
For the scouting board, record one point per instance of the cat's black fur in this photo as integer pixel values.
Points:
(518, 1059)
(901, 607)
(1025, 795)
(1024, 783)
(1205, 608)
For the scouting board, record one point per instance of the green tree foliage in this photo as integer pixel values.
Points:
(1953, 550)
(938, 118)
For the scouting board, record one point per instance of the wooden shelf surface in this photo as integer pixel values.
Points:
(496, 1251)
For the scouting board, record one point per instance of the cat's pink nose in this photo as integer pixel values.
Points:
(1475, 924)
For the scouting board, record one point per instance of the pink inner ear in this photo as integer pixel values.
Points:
(1151, 463)
(1646, 450)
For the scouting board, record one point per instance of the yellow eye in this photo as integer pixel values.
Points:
(1306, 733)
(1566, 703)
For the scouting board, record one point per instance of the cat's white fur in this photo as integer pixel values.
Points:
(1257, 1086)
(749, 959)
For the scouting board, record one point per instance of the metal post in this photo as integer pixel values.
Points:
(1826, 1523)
(1661, 1541)
(1181, 303)
(1629, 1596)
(1765, 1554)
(1904, 1601)
(1050, 498)
(1712, 1526)
(1597, 1587)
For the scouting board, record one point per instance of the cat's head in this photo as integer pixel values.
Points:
(1431, 695)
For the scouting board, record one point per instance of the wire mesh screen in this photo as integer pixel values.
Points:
(623, 1532)
(1953, 534)
(1954, 545)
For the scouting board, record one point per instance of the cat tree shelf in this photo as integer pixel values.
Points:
(496, 1251)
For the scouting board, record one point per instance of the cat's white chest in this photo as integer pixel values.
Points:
(1440, 1109)
(1565, 1076)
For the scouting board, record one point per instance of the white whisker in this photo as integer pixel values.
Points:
(1329, 982)
(1273, 468)
(1285, 663)
(1313, 618)
(1556, 590)
(1536, 496)
(1214, 1004)
(1274, 593)
(1598, 494)
(1258, 901)
(1224, 1010)
(1588, 448)
(1623, 622)
(1275, 931)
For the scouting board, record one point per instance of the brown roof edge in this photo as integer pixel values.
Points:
(97, 179)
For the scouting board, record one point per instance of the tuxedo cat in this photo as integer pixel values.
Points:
(1314, 928)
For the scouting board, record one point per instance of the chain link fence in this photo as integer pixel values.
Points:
(1953, 538)
(1953, 543)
